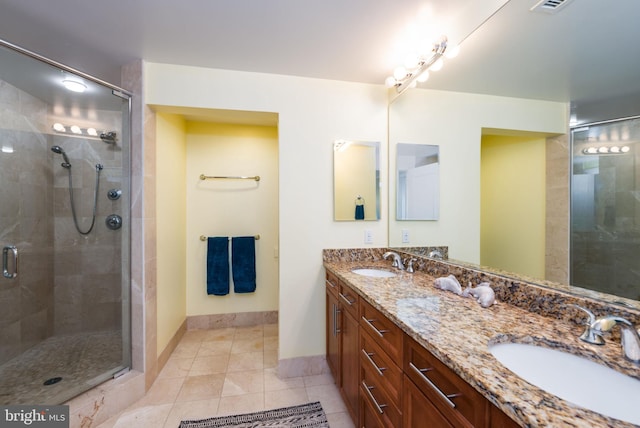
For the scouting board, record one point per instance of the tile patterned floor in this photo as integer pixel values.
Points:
(78, 359)
(227, 371)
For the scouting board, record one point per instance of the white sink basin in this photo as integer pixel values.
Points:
(377, 273)
(573, 378)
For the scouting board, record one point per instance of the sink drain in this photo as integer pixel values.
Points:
(52, 381)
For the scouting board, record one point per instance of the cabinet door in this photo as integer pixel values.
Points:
(350, 364)
(333, 336)
(419, 411)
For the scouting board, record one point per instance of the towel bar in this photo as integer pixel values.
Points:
(204, 238)
(225, 177)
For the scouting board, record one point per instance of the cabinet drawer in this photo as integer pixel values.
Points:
(332, 283)
(380, 403)
(382, 330)
(455, 398)
(348, 299)
(380, 364)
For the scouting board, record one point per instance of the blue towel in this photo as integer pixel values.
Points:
(243, 264)
(359, 212)
(218, 266)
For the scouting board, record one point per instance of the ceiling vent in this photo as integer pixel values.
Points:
(549, 6)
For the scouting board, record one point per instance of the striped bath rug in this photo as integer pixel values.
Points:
(308, 415)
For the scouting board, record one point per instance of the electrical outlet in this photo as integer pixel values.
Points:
(405, 236)
(368, 236)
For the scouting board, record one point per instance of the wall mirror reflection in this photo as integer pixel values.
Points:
(418, 182)
(356, 180)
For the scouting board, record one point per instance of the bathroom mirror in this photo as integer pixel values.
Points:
(417, 182)
(356, 180)
(450, 113)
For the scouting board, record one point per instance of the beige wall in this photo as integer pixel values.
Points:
(455, 122)
(513, 205)
(232, 208)
(171, 212)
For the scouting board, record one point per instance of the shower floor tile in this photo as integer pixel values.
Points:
(78, 359)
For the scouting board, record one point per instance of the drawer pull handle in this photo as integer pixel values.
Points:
(368, 389)
(330, 284)
(444, 396)
(346, 299)
(375, 366)
(370, 324)
(336, 312)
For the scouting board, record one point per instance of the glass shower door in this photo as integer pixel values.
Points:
(605, 208)
(64, 230)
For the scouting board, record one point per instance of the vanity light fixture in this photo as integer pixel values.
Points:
(76, 130)
(606, 150)
(406, 77)
(74, 85)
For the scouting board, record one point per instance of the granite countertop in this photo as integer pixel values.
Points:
(458, 330)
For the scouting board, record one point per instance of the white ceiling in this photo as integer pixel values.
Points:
(584, 53)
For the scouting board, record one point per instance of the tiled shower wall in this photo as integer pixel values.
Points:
(87, 270)
(67, 283)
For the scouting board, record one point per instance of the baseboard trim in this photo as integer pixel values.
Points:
(242, 319)
(303, 366)
(171, 346)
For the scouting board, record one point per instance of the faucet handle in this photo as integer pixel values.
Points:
(409, 262)
(589, 335)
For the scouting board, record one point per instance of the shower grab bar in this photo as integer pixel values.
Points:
(227, 177)
(204, 238)
(5, 262)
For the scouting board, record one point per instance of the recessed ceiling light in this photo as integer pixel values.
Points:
(74, 85)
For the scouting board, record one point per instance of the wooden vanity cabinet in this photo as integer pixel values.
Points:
(342, 337)
(380, 369)
(456, 400)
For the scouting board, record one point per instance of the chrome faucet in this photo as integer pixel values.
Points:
(397, 260)
(628, 335)
(589, 335)
(435, 254)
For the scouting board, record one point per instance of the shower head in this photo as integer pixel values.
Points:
(108, 137)
(60, 151)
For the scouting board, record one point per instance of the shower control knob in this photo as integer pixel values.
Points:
(114, 194)
(114, 222)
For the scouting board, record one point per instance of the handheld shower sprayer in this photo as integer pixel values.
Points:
(67, 165)
(60, 151)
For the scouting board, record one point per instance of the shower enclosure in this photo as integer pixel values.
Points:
(64, 230)
(605, 207)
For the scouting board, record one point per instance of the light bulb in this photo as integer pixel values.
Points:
(58, 127)
(437, 66)
(424, 76)
(625, 149)
(452, 51)
(76, 129)
(591, 150)
(411, 61)
(615, 149)
(603, 149)
(74, 85)
(400, 73)
(92, 132)
(390, 82)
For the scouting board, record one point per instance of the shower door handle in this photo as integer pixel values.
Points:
(5, 262)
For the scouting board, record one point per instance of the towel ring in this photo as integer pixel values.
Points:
(359, 200)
